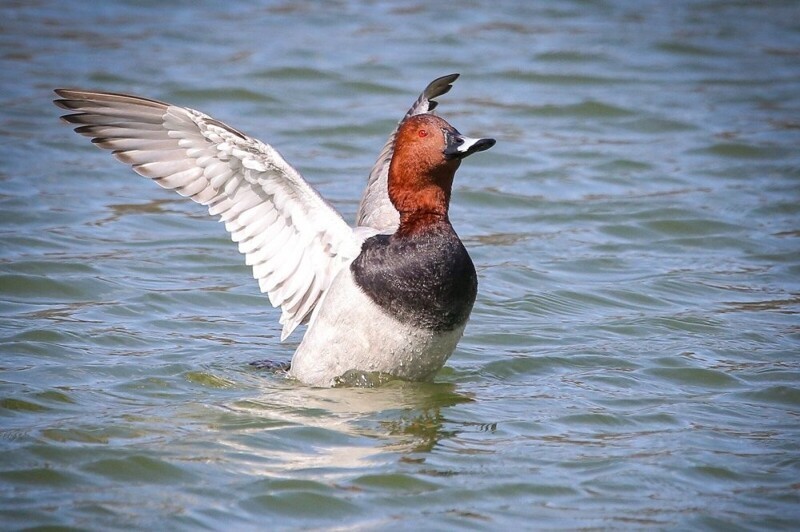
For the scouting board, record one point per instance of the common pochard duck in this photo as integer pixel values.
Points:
(390, 296)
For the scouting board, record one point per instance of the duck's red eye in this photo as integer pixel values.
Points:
(423, 133)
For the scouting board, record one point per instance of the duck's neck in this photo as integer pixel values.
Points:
(412, 223)
(421, 197)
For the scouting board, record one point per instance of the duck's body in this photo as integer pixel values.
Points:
(392, 295)
(407, 299)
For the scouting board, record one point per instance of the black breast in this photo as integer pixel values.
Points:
(426, 279)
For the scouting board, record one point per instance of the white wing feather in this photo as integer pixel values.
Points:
(375, 209)
(294, 240)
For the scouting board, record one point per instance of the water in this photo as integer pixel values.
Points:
(632, 360)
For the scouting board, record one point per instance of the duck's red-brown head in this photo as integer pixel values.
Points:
(427, 153)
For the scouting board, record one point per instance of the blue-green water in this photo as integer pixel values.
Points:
(633, 360)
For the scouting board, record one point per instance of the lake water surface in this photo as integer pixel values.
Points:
(633, 359)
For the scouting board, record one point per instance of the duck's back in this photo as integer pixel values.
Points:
(400, 308)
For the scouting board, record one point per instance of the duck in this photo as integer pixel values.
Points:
(388, 296)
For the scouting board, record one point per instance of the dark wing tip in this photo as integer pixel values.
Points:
(440, 86)
(75, 118)
(105, 97)
(62, 99)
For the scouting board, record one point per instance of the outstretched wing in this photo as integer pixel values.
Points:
(293, 239)
(376, 210)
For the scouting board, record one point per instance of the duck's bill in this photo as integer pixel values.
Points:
(460, 146)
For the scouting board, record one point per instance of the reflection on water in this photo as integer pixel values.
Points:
(324, 434)
(402, 417)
